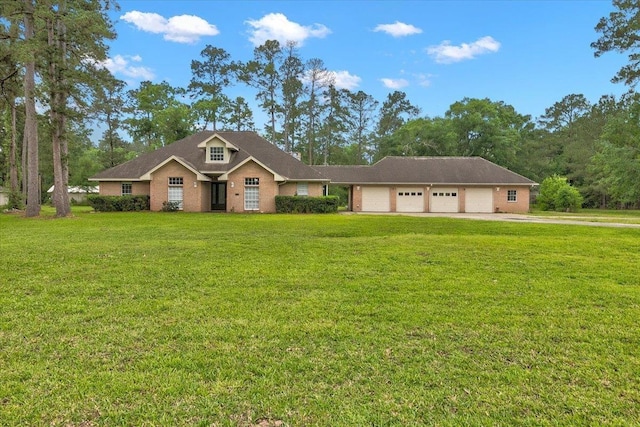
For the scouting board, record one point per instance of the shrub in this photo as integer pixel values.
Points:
(304, 204)
(556, 194)
(170, 206)
(118, 203)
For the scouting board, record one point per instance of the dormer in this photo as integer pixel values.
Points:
(217, 150)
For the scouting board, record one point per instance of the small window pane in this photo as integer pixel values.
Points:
(175, 180)
(512, 195)
(302, 189)
(216, 154)
(127, 188)
(435, 194)
(454, 194)
(252, 181)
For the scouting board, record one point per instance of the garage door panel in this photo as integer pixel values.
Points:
(443, 199)
(410, 199)
(375, 199)
(478, 200)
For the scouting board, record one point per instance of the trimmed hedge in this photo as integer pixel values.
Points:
(305, 204)
(118, 203)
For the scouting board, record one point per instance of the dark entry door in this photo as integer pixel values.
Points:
(218, 196)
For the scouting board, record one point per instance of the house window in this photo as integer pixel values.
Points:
(303, 189)
(175, 191)
(512, 195)
(251, 194)
(127, 188)
(216, 154)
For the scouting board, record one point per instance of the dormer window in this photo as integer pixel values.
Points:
(216, 154)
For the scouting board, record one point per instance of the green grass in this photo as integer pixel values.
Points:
(144, 319)
(595, 215)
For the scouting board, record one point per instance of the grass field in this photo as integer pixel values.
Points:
(173, 319)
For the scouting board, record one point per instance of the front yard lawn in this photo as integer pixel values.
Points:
(316, 320)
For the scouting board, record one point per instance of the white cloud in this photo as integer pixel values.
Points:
(424, 80)
(344, 80)
(446, 53)
(276, 26)
(399, 29)
(122, 65)
(395, 83)
(180, 29)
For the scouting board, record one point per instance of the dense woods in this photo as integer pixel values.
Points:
(54, 91)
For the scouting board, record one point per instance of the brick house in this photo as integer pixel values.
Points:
(214, 171)
(432, 184)
(243, 172)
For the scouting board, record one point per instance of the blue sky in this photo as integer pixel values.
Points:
(529, 54)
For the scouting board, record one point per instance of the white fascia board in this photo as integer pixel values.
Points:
(116, 179)
(227, 144)
(199, 176)
(276, 176)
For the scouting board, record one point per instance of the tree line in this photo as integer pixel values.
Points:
(54, 91)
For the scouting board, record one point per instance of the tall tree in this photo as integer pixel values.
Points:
(617, 161)
(108, 109)
(362, 108)
(10, 87)
(71, 35)
(31, 119)
(291, 71)
(489, 129)
(621, 33)
(239, 116)
(262, 73)
(332, 133)
(158, 117)
(209, 79)
(317, 79)
(396, 110)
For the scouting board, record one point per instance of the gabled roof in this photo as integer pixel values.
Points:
(425, 170)
(191, 151)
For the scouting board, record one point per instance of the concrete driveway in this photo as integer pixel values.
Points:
(576, 220)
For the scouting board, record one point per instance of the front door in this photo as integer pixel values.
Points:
(218, 196)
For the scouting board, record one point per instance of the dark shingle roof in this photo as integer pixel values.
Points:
(424, 170)
(249, 144)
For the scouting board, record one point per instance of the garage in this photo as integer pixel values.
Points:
(410, 199)
(375, 199)
(478, 200)
(443, 199)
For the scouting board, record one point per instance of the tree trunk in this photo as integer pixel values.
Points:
(13, 164)
(31, 120)
(57, 101)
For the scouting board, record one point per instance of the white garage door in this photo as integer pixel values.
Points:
(375, 199)
(410, 200)
(478, 200)
(443, 200)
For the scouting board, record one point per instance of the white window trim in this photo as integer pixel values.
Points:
(251, 188)
(218, 154)
(515, 196)
(302, 188)
(122, 193)
(172, 191)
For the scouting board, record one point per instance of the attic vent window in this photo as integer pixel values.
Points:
(216, 154)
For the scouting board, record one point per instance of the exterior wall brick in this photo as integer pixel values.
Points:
(521, 205)
(192, 196)
(114, 188)
(268, 188)
(291, 188)
(356, 201)
(393, 194)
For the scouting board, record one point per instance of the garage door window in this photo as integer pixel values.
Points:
(512, 195)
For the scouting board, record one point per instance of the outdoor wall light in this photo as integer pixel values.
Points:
(195, 183)
(232, 184)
